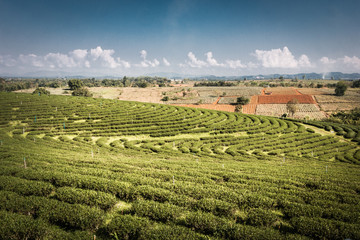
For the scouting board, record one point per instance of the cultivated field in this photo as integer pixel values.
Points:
(309, 111)
(76, 168)
(224, 98)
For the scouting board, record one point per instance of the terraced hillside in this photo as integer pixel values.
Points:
(77, 167)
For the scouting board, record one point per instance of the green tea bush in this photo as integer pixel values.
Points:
(163, 212)
(15, 226)
(126, 227)
(259, 217)
(217, 207)
(88, 197)
(25, 187)
(320, 228)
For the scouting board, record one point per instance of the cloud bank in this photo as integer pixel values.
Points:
(106, 61)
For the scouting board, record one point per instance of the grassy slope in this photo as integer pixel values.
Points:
(142, 194)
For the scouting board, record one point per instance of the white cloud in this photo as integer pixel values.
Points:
(235, 64)
(281, 58)
(59, 60)
(166, 62)
(143, 54)
(32, 60)
(326, 60)
(346, 63)
(105, 57)
(212, 61)
(194, 62)
(79, 53)
(304, 61)
(276, 58)
(145, 62)
(353, 62)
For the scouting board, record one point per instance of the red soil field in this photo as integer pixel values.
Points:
(283, 99)
(249, 108)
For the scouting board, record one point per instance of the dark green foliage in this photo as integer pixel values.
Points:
(65, 215)
(340, 88)
(260, 217)
(126, 227)
(21, 227)
(319, 228)
(214, 84)
(242, 101)
(75, 84)
(84, 92)
(88, 197)
(25, 187)
(356, 84)
(165, 99)
(41, 91)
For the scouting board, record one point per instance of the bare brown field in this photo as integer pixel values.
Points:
(280, 91)
(316, 91)
(283, 99)
(219, 107)
(336, 107)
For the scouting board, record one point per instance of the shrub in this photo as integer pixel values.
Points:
(41, 91)
(82, 92)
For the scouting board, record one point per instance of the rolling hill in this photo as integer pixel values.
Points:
(74, 167)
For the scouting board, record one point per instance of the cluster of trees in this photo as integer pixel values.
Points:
(13, 85)
(215, 84)
(78, 88)
(41, 91)
(141, 82)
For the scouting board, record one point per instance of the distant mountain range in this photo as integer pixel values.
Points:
(329, 75)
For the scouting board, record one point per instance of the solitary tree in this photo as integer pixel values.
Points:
(242, 101)
(292, 107)
(340, 88)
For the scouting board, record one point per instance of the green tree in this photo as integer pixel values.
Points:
(242, 101)
(165, 99)
(340, 88)
(356, 84)
(292, 106)
(75, 84)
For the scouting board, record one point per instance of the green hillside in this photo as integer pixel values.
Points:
(74, 167)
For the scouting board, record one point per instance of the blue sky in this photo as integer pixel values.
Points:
(183, 36)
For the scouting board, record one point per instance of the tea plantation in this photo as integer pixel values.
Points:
(84, 168)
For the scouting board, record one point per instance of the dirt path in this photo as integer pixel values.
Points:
(217, 100)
